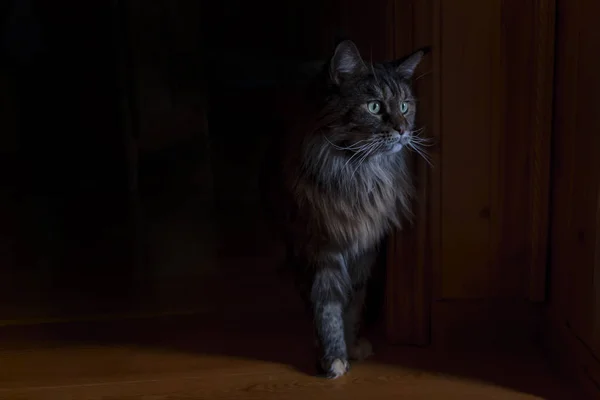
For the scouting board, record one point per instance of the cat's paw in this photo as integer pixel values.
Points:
(334, 368)
(360, 350)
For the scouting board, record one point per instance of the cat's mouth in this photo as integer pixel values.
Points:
(397, 143)
(394, 148)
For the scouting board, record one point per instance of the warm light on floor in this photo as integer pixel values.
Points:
(192, 357)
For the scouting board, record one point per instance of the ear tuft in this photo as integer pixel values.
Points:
(408, 65)
(346, 61)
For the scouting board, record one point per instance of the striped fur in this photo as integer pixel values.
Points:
(340, 183)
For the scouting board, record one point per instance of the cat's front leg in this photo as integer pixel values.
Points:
(329, 296)
(360, 270)
(358, 348)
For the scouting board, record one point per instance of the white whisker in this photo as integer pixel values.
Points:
(423, 75)
(421, 152)
(354, 146)
(422, 142)
(363, 149)
(373, 148)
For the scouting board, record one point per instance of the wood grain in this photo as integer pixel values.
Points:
(571, 356)
(573, 313)
(577, 171)
(478, 324)
(541, 146)
(588, 120)
(209, 358)
(481, 231)
(596, 343)
(511, 196)
(467, 28)
(424, 84)
(408, 286)
(434, 223)
(495, 133)
(482, 210)
(562, 236)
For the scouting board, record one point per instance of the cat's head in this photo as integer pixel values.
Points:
(371, 107)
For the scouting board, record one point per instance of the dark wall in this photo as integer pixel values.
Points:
(197, 84)
(70, 127)
(70, 159)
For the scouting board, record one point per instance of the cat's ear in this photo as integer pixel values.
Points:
(407, 66)
(346, 61)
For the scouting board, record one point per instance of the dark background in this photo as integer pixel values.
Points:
(132, 135)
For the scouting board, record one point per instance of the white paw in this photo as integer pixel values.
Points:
(337, 368)
(361, 350)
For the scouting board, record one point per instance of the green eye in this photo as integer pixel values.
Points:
(403, 107)
(374, 107)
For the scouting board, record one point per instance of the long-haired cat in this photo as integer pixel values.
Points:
(339, 183)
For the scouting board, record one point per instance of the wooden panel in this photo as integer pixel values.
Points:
(565, 111)
(468, 29)
(587, 152)
(423, 35)
(572, 357)
(364, 26)
(408, 291)
(470, 324)
(577, 170)
(574, 309)
(596, 343)
(482, 210)
(495, 113)
(520, 200)
(542, 113)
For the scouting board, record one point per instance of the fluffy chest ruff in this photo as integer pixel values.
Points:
(351, 207)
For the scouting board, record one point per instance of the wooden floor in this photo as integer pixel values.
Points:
(265, 357)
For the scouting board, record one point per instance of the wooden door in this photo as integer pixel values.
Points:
(473, 266)
(574, 308)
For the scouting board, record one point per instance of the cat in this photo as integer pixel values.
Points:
(338, 182)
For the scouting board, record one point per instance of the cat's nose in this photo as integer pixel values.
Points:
(405, 138)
